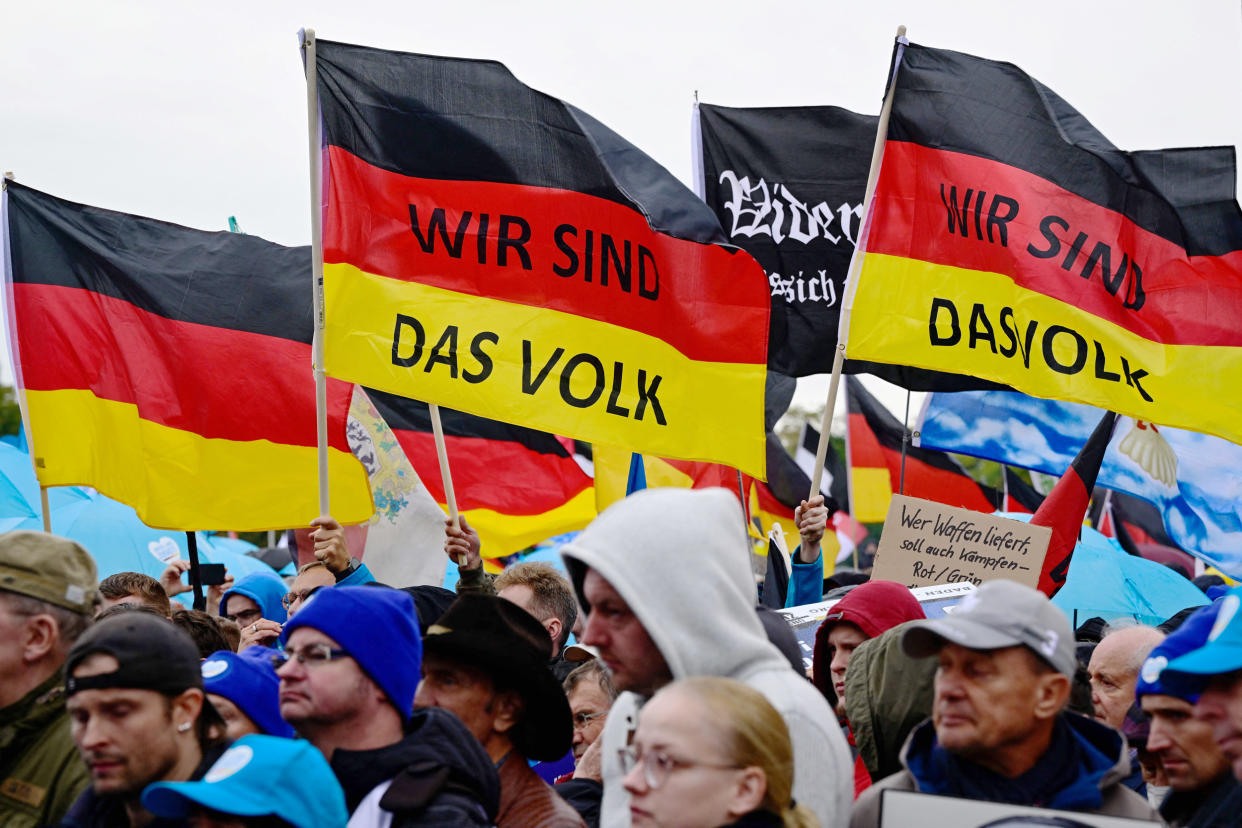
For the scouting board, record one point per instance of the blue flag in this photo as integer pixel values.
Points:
(1194, 479)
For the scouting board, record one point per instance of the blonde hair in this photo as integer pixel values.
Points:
(753, 734)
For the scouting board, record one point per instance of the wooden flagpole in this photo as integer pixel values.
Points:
(838, 359)
(47, 512)
(316, 195)
(445, 475)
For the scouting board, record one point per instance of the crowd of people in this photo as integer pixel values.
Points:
(647, 688)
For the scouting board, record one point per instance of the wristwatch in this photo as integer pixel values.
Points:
(354, 563)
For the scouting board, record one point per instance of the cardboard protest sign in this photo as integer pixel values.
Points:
(804, 620)
(926, 543)
(900, 809)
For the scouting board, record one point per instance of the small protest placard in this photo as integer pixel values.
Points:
(900, 809)
(926, 543)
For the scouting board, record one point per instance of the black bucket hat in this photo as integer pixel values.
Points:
(509, 645)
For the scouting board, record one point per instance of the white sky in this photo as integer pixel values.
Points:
(192, 112)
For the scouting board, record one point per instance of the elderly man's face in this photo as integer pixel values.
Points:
(986, 701)
(1114, 667)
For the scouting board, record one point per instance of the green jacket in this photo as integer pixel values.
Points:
(887, 693)
(41, 773)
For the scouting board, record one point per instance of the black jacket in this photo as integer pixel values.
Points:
(1214, 806)
(440, 774)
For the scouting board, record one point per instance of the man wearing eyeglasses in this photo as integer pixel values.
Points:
(347, 675)
(591, 693)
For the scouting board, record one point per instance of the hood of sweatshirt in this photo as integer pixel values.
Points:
(873, 607)
(681, 560)
(264, 588)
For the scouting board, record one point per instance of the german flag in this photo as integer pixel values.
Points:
(875, 450)
(612, 471)
(514, 486)
(497, 251)
(170, 368)
(1009, 240)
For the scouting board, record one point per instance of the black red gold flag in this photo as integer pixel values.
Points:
(515, 486)
(497, 251)
(1009, 240)
(170, 368)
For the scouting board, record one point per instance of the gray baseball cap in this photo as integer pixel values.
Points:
(999, 614)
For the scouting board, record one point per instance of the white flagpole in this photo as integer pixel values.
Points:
(838, 359)
(316, 194)
(19, 391)
(445, 475)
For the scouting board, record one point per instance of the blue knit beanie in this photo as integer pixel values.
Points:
(264, 588)
(248, 680)
(378, 628)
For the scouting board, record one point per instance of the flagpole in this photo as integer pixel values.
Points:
(905, 440)
(196, 574)
(445, 475)
(838, 359)
(19, 386)
(316, 194)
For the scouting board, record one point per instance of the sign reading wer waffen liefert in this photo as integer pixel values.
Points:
(926, 543)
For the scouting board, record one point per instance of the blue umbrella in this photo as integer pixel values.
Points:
(120, 542)
(1105, 581)
(19, 489)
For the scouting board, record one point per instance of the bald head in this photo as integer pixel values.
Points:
(1114, 669)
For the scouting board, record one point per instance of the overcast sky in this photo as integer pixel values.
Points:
(194, 112)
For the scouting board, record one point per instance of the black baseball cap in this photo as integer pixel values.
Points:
(152, 654)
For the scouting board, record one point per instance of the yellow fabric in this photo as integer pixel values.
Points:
(1191, 386)
(713, 411)
(180, 480)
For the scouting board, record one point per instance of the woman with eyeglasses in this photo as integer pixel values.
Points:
(711, 752)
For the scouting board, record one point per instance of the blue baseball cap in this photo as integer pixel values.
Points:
(378, 627)
(259, 776)
(1154, 676)
(248, 680)
(1222, 651)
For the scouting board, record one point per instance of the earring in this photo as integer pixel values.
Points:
(183, 727)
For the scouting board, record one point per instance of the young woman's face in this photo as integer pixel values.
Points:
(682, 778)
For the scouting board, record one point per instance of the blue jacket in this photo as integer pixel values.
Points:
(806, 581)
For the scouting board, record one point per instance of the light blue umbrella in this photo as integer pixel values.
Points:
(1105, 581)
(19, 490)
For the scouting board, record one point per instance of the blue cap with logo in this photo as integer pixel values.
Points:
(248, 680)
(259, 776)
(1222, 651)
(1156, 679)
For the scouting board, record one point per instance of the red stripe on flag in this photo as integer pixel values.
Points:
(495, 474)
(210, 381)
(368, 224)
(1187, 300)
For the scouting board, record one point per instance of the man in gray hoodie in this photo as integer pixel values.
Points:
(665, 579)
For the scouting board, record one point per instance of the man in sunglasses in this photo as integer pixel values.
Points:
(347, 675)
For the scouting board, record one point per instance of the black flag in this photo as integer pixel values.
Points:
(788, 184)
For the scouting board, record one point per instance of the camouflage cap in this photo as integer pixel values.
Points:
(50, 568)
